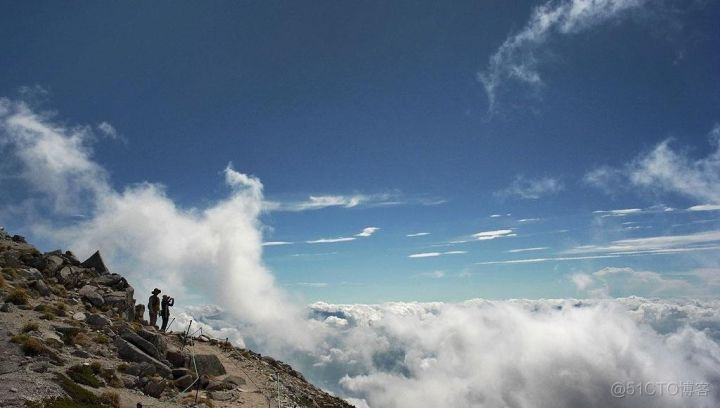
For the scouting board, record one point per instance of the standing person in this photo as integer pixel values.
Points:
(167, 301)
(154, 306)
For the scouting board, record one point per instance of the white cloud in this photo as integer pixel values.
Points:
(495, 216)
(434, 254)
(486, 235)
(418, 234)
(550, 259)
(512, 251)
(313, 284)
(434, 274)
(518, 58)
(614, 281)
(531, 189)
(619, 213)
(368, 231)
(529, 219)
(667, 170)
(705, 207)
(653, 244)
(276, 243)
(469, 354)
(331, 240)
(195, 254)
(317, 202)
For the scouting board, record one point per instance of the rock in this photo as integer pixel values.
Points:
(51, 339)
(96, 261)
(141, 343)
(98, 321)
(176, 358)
(129, 352)
(30, 273)
(234, 379)
(156, 339)
(40, 367)
(184, 382)
(79, 316)
(209, 364)
(72, 258)
(41, 288)
(53, 263)
(68, 331)
(8, 367)
(19, 238)
(180, 372)
(91, 294)
(221, 395)
(128, 380)
(68, 276)
(155, 388)
(7, 308)
(219, 386)
(139, 313)
(141, 369)
(204, 381)
(80, 353)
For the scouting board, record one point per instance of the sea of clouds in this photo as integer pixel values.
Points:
(478, 353)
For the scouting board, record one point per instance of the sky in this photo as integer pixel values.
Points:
(407, 151)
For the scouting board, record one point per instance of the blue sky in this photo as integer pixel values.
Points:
(409, 117)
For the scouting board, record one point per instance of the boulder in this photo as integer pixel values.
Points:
(68, 331)
(184, 382)
(157, 340)
(176, 358)
(155, 387)
(141, 369)
(30, 273)
(51, 338)
(79, 316)
(139, 313)
(220, 395)
(234, 379)
(180, 372)
(209, 364)
(70, 257)
(141, 343)
(68, 276)
(98, 321)
(41, 287)
(53, 263)
(96, 261)
(91, 294)
(7, 307)
(129, 352)
(219, 386)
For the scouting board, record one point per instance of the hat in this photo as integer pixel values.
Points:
(156, 291)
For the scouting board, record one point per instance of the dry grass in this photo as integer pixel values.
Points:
(28, 327)
(111, 398)
(18, 297)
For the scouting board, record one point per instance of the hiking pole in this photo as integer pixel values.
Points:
(186, 335)
(167, 329)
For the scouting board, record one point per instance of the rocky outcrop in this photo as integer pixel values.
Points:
(209, 364)
(129, 352)
(96, 261)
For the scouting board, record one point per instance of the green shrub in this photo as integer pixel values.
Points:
(78, 397)
(18, 297)
(96, 367)
(19, 338)
(83, 374)
(48, 316)
(122, 367)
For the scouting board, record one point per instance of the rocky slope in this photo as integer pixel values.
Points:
(70, 337)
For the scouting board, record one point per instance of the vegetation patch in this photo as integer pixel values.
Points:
(18, 297)
(83, 374)
(78, 397)
(28, 327)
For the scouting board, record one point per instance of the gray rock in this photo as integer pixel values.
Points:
(180, 372)
(184, 382)
(91, 294)
(209, 364)
(234, 379)
(41, 288)
(221, 395)
(129, 352)
(51, 338)
(157, 340)
(80, 353)
(176, 358)
(155, 388)
(7, 308)
(141, 369)
(68, 331)
(219, 386)
(141, 343)
(96, 261)
(53, 263)
(79, 316)
(30, 273)
(98, 321)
